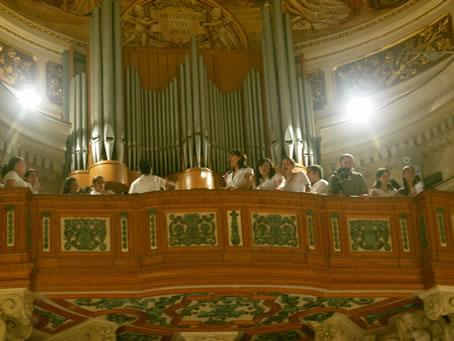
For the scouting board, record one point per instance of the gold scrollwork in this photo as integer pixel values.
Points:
(399, 62)
(16, 68)
(54, 90)
(317, 79)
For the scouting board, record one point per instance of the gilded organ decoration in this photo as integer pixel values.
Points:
(54, 75)
(171, 24)
(16, 68)
(381, 4)
(76, 7)
(397, 63)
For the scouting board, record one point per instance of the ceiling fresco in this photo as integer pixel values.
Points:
(311, 19)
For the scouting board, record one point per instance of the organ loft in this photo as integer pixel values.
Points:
(102, 89)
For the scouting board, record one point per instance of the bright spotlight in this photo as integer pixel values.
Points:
(203, 174)
(29, 98)
(359, 109)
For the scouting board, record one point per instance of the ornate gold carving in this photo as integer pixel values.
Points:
(317, 79)
(358, 28)
(397, 63)
(41, 29)
(76, 7)
(54, 77)
(16, 68)
(168, 23)
(31, 42)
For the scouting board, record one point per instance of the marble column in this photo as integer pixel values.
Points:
(16, 308)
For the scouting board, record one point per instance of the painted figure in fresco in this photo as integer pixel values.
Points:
(220, 32)
(139, 33)
(315, 15)
(77, 7)
(381, 4)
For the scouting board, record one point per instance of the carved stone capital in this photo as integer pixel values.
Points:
(16, 308)
(94, 330)
(337, 328)
(438, 303)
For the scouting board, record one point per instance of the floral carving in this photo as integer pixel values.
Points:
(192, 229)
(85, 234)
(274, 230)
(370, 235)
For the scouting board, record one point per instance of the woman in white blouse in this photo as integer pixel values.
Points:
(14, 171)
(266, 177)
(382, 186)
(294, 182)
(239, 176)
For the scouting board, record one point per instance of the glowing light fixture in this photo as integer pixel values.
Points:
(203, 174)
(359, 109)
(29, 98)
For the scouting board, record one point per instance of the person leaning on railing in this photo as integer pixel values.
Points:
(31, 177)
(266, 177)
(14, 171)
(383, 186)
(345, 182)
(70, 186)
(294, 181)
(412, 182)
(239, 176)
(318, 184)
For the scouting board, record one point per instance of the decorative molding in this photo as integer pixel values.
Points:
(152, 225)
(335, 231)
(275, 230)
(235, 228)
(397, 62)
(441, 226)
(192, 229)
(403, 219)
(54, 320)
(310, 229)
(41, 29)
(90, 330)
(87, 234)
(46, 230)
(208, 336)
(10, 226)
(16, 308)
(370, 235)
(124, 232)
(337, 328)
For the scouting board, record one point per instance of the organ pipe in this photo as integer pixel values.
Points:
(96, 83)
(84, 125)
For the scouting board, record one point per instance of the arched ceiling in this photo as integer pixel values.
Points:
(311, 19)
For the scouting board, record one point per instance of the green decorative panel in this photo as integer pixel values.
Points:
(235, 228)
(55, 320)
(46, 231)
(192, 229)
(275, 230)
(370, 235)
(403, 219)
(422, 231)
(310, 229)
(10, 226)
(120, 318)
(335, 231)
(85, 234)
(133, 336)
(152, 225)
(221, 310)
(373, 319)
(287, 335)
(124, 232)
(441, 226)
(254, 310)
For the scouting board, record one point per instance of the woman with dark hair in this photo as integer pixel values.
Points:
(412, 182)
(14, 171)
(382, 186)
(70, 186)
(266, 177)
(147, 182)
(31, 177)
(294, 181)
(239, 176)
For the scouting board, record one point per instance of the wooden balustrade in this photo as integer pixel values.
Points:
(56, 243)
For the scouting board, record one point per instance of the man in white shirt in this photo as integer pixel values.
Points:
(147, 182)
(98, 186)
(315, 175)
